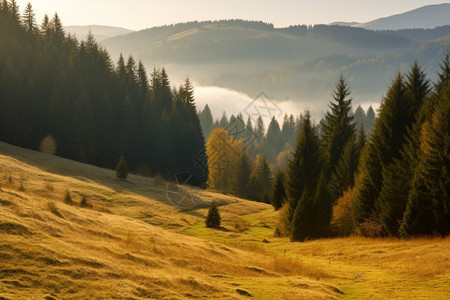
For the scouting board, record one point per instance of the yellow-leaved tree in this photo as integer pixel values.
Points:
(223, 154)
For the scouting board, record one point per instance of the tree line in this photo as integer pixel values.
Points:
(350, 173)
(52, 85)
(395, 182)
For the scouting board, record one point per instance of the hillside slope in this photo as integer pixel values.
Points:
(131, 243)
(126, 245)
(426, 17)
(298, 62)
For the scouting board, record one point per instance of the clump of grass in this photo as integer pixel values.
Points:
(68, 198)
(21, 187)
(53, 209)
(10, 180)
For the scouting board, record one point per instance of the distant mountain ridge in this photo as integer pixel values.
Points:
(300, 63)
(425, 17)
(100, 32)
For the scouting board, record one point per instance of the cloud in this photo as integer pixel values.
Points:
(232, 102)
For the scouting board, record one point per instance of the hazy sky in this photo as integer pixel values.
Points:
(141, 14)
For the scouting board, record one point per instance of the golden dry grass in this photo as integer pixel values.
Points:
(133, 244)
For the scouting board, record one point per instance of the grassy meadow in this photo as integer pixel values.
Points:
(130, 242)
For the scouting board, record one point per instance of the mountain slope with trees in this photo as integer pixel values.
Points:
(298, 62)
(53, 87)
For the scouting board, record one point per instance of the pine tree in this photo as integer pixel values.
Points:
(122, 168)
(370, 120)
(243, 172)
(272, 143)
(397, 176)
(263, 177)
(302, 176)
(360, 143)
(142, 79)
(213, 218)
(206, 121)
(278, 190)
(343, 176)
(28, 19)
(288, 130)
(359, 117)
(223, 120)
(384, 146)
(429, 197)
(338, 127)
(57, 30)
(322, 208)
(302, 224)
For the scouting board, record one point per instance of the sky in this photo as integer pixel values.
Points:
(142, 14)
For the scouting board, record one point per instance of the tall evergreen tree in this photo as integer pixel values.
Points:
(382, 147)
(338, 127)
(343, 176)
(29, 20)
(278, 190)
(370, 120)
(206, 121)
(302, 176)
(272, 142)
(359, 117)
(243, 172)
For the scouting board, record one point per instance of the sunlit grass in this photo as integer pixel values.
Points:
(132, 243)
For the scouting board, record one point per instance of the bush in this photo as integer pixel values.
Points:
(371, 227)
(68, 198)
(341, 222)
(213, 218)
(122, 168)
(84, 203)
(282, 229)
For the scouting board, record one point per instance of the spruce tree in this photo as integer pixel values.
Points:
(343, 176)
(213, 218)
(359, 117)
(243, 173)
(278, 190)
(206, 121)
(302, 176)
(338, 127)
(28, 19)
(398, 174)
(273, 143)
(322, 208)
(369, 120)
(302, 224)
(384, 146)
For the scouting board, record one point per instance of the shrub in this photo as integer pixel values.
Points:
(371, 227)
(283, 227)
(122, 168)
(341, 222)
(83, 202)
(213, 218)
(68, 198)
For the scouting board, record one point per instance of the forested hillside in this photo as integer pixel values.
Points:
(67, 97)
(339, 178)
(298, 62)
